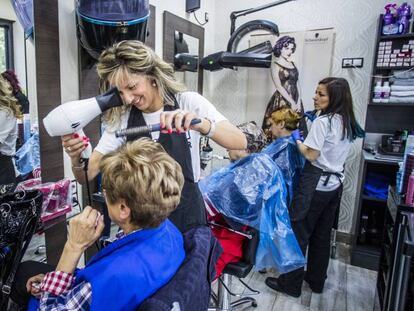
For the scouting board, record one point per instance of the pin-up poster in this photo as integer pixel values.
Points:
(299, 61)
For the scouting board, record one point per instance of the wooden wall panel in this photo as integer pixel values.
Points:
(46, 33)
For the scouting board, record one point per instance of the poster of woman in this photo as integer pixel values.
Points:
(290, 81)
(285, 77)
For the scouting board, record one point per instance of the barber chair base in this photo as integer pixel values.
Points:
(223, 298)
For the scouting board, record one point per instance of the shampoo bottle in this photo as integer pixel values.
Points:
(389, 27)
(385, 92)
(409, 198)
(377, 93)
(403, 17)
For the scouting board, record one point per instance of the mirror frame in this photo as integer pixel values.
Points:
(173, 23)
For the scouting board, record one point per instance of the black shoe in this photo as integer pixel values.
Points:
(273, 283)
(262, 271)
(315, 289)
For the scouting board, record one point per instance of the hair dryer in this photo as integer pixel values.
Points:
(72, 116)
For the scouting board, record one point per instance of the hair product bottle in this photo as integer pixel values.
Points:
(409, 198)
(377, 92)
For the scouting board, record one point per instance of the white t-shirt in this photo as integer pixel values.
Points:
(188, 101)
(8, 132)
(326, 137)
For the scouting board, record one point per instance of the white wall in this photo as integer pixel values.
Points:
(355, 23)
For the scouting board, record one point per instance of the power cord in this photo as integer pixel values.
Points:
(205, 18)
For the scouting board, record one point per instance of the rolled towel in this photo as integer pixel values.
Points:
(402, 94)
(403, 74)
(403, 82)
(403, 88)
(402, 100)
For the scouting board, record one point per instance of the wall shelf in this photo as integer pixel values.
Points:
(394, 68)
(402, 36)
(391, 104)
(368, 198)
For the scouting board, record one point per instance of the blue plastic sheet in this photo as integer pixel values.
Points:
(252, 192)
(288, 158)
(28, 156)
(24, 13)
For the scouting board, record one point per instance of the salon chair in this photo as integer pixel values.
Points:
(190, 287)
(240, 270)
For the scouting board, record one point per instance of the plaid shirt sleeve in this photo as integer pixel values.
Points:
(58, 293)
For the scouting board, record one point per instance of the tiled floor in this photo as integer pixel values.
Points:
(347, 288)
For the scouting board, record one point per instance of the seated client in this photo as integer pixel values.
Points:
(142, 186)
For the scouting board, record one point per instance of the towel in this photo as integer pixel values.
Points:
(403, 74)
(402, 88)
(402, 94)
(403, 82)
(402, 100)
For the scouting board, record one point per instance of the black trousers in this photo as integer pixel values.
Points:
(25, 271)
(314, 233)
(7, 173)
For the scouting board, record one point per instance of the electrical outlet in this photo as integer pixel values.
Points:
(347, 63)
(358, 62)
(352, 62)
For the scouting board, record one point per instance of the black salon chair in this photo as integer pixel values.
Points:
(190, 287)
(240, 270)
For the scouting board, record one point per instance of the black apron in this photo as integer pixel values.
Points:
(7, 172)
(190, 212)
(306, 188)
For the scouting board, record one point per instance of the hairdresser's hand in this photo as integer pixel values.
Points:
(296, 135)
(181, 120)
(33, 285)
(310, 115)
(85, 229)
(73, 145)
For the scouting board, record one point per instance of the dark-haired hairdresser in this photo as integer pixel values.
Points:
(319, 192)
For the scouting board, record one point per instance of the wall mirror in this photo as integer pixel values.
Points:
(184, 47)
(186, 59)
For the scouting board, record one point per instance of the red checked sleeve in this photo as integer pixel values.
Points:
(57, 282)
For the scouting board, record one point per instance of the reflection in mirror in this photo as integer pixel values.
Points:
(17, 68)
(184, 47)
(186, 59)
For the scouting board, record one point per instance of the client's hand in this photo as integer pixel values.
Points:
(85, 229)
(296, 135)
(33, 283)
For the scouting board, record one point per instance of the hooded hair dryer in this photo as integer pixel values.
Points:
(72, 116)
(101, 23)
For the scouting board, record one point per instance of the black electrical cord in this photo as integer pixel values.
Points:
(88, 191)
(201, 24)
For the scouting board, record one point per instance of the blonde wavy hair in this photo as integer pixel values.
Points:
(286, 115)
(7, 100)
(134, 57)
(146, 177)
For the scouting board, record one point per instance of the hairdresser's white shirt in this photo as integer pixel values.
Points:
(188, 101)
(8, 132)
(326, 137)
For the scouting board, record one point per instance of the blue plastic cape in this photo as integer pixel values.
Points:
(28, 156)
(252, 191)
(288, 158)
